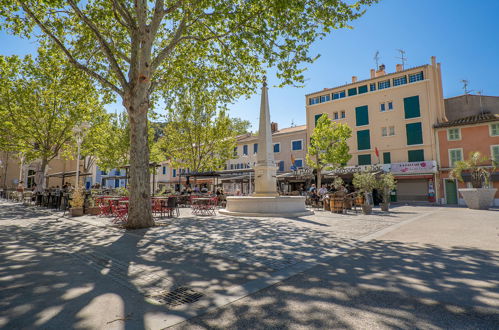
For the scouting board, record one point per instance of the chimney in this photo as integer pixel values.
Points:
(381, 71)
(433, 60)
(354, 79)
(399, 67)
(273, 127)
(373, 73)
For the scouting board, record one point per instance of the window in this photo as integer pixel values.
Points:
(372, 87)
(390, 105)
(255, 148)
(338, 95)
(231, 166)
(245, 150)
(411, 107)
(384, 131)
(363, 140)
(277, 147)
(415, 155)
(494, 152)
(363, 89)
(384, 84)
(455, 155)
(164, 170)
(343, 114)
(362, 116)
(391, 130)
(281, 166)
(116, 183)
(494, 129)
(364, 159)
(174, 173)
(352, 91)
(414, 134)
(382, 107)
(298, 163)
(336, 115)
(325, 98)
(416, 77)
(316, 118)
(313, 100)
(103, 172)
(235, 151)
(296, 145)
(387, 158)
(400, 81)
(453, 134)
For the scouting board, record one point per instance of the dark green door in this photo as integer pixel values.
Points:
(450, 191)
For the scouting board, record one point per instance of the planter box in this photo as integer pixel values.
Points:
(77, 212)
(385, 207)
(95, 210)
(478, 198)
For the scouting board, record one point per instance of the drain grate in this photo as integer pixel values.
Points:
(179, 296)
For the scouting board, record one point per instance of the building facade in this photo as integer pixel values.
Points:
(392, 117)
(456, 140)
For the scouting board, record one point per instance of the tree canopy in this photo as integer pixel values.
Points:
(328, 146)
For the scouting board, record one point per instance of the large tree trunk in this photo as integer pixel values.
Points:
(40, 182)
(5, 169)
(319, 179)
(139, 214)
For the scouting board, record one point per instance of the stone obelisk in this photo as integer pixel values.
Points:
(265, 168)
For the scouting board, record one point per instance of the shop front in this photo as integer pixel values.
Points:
(415, 181)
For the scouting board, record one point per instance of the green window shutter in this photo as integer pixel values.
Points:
(387, 158)
(495, 153)
(411, 107)
(363, 140)
(364, 159)
(317, 118)
(362, 116)
(455, 156)
(414, 133)
(416, 155)
(352, 91)
(362, 89)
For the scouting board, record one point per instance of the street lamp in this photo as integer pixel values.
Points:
(79, 131)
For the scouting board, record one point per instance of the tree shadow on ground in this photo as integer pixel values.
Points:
(380, 285)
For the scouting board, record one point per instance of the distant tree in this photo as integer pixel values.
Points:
(41, 100)
(328, 147)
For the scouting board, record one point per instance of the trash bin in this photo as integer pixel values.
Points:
(393, 195)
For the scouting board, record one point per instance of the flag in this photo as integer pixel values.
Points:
(292, 159)
(376, 151)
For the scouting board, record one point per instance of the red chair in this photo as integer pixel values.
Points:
(120, 211)
(104, 206)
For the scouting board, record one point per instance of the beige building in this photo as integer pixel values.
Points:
(392, 117)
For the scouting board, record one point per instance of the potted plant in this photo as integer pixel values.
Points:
(479, 197)
(92, 209)
(365, 182)
(77, 202)
(385, 184)
(122, 191)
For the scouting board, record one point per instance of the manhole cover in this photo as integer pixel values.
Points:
(179, 296)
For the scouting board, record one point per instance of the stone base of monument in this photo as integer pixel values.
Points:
(266, 206)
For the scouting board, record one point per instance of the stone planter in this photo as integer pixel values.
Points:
(76, 211)
(385, 207)
(367, 209)
(478, 198)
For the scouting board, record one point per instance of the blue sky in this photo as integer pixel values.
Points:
(463, 35)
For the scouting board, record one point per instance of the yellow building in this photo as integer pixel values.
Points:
(392, 117)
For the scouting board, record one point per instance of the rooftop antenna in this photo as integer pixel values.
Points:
(402, 57)
(480, 92)
(465, 86)
(376, 59)
(292, 123)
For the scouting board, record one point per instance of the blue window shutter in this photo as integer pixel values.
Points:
(411, 107)
(364, 159)
(415, 155)
(362, 115)
(414, 133)
(362, 89)
(281, 166)
(276, 147)
(255, 148)
(352, 91)
(363, 140)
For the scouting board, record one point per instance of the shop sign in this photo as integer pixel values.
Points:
(429, 166)
(303, 172)
(360, 168)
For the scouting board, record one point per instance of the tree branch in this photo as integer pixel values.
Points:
(68, 54)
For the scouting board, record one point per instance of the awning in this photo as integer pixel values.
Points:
(66, 174)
